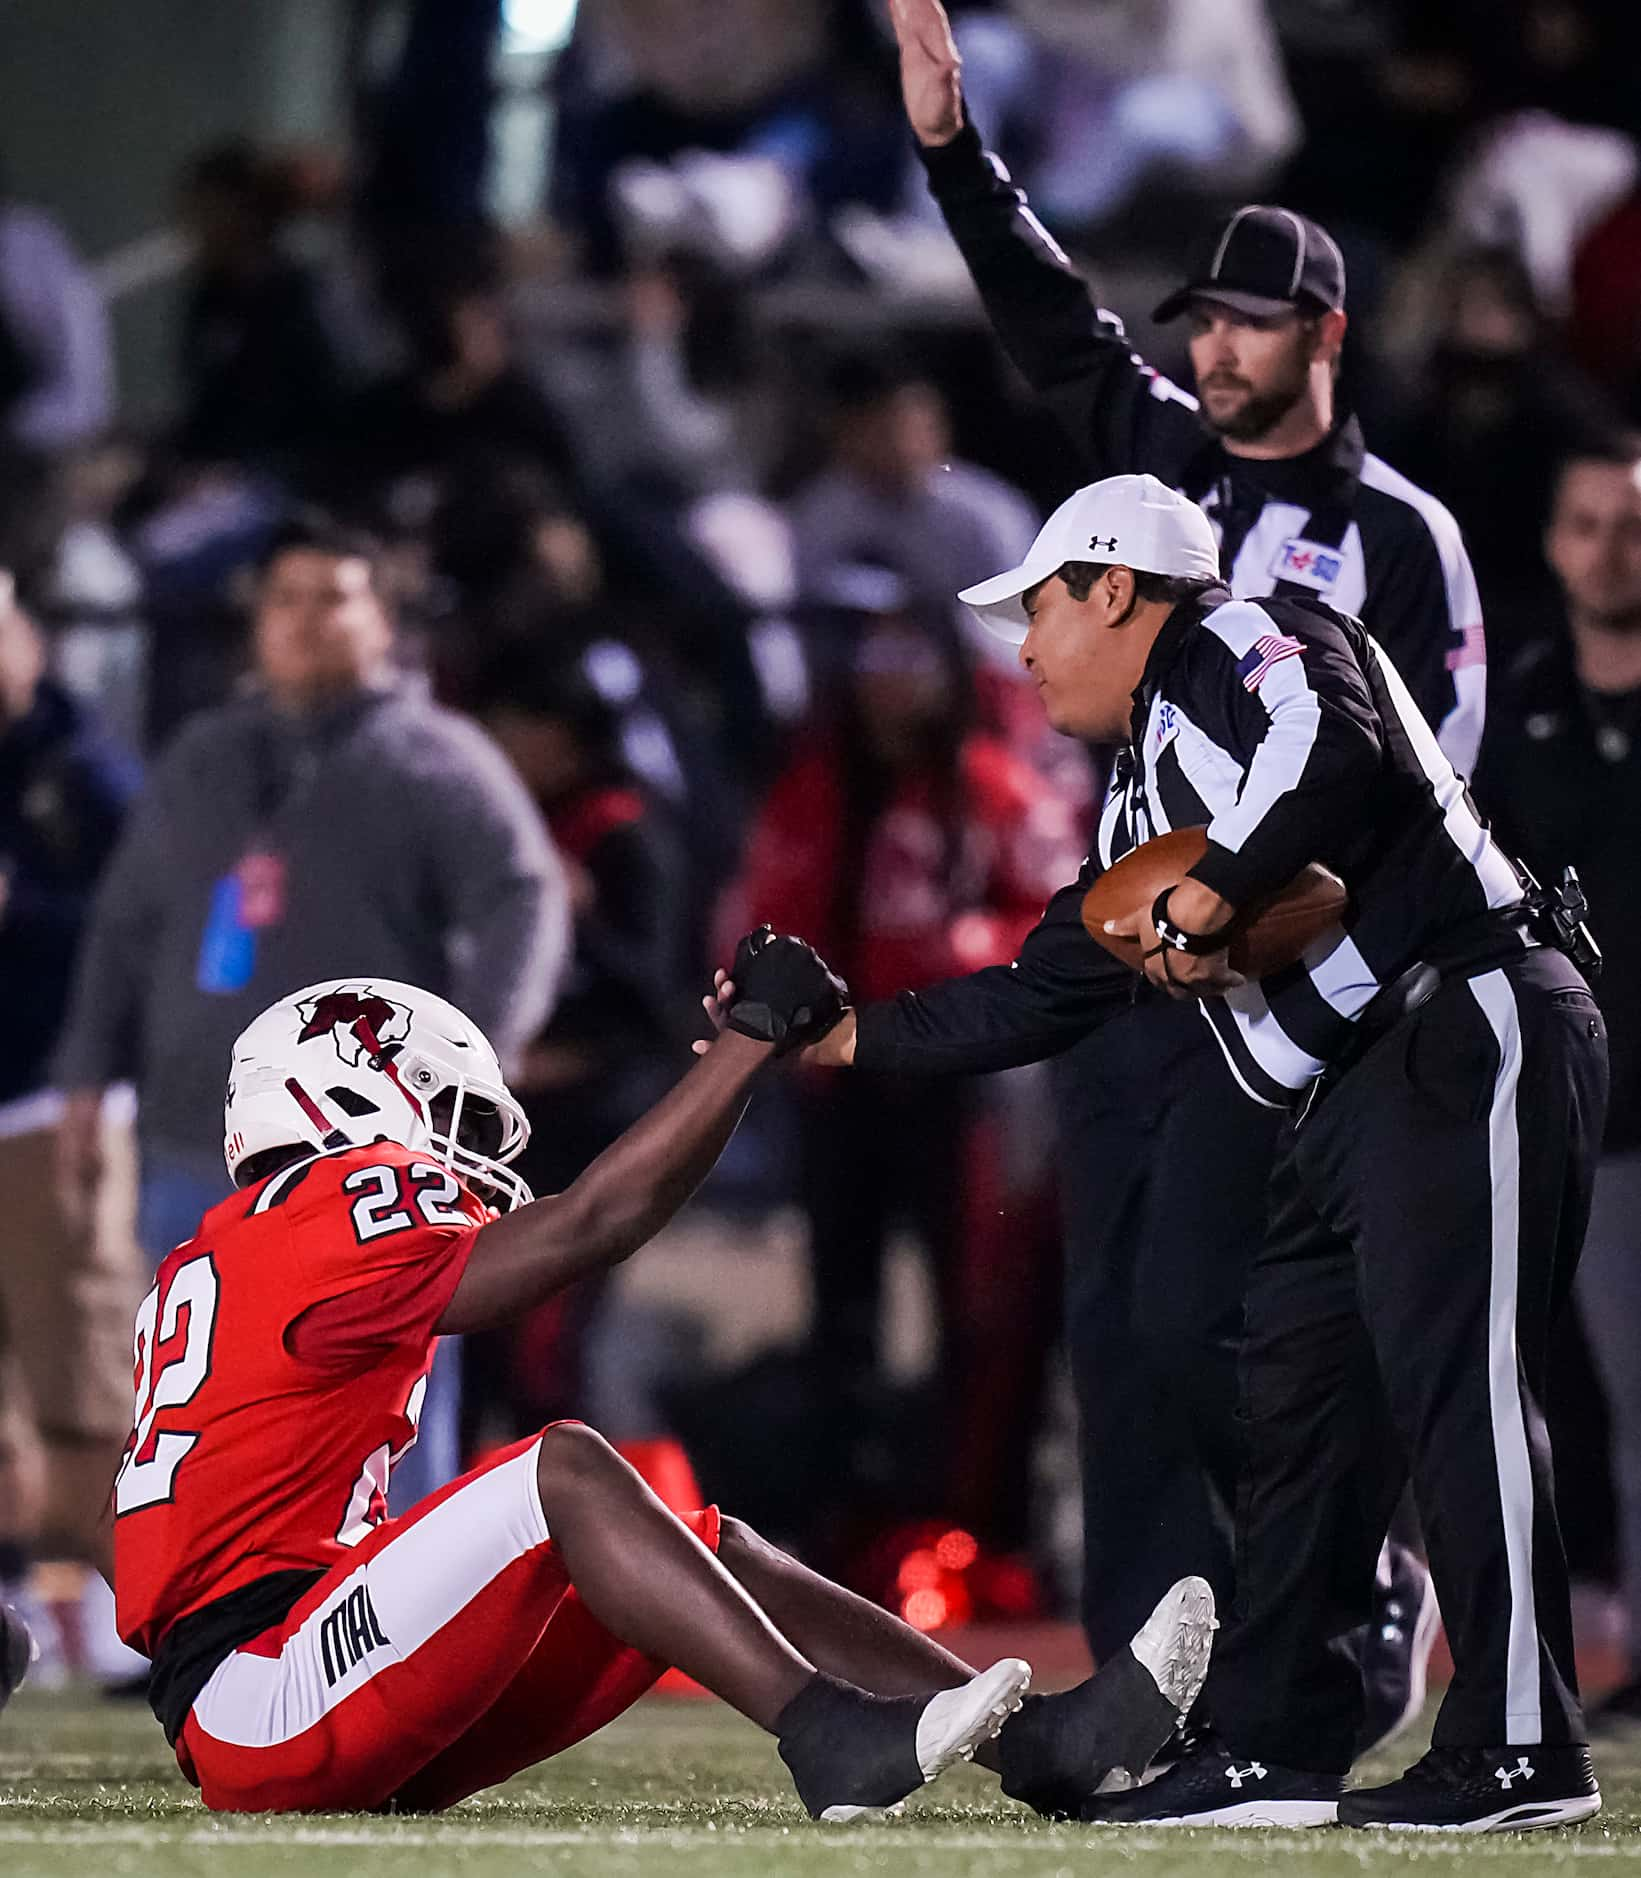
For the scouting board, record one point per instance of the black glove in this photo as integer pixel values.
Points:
(784, 992)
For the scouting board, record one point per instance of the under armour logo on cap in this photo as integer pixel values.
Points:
(1160, 532)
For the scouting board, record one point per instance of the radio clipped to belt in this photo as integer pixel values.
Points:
(1556, 917)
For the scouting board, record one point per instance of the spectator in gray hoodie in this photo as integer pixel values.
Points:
(331, 820)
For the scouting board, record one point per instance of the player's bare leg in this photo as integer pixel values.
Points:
(651, 1583)
(1059, 1749)
(647, 1578)
(843, 1634)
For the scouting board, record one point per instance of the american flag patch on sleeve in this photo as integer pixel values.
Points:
(1266, 652)
(1473, 651)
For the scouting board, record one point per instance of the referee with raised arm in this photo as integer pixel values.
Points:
(1156, 1262)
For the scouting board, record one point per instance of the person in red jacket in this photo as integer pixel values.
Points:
(913, 846)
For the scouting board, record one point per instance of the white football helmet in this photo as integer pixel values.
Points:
(358, 1060)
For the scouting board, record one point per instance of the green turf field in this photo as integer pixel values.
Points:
(682, 1789)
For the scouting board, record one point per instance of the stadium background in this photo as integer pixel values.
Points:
(304, 220)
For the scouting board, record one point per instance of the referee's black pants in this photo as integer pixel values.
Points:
(1427, 1219)
(1164, 1178)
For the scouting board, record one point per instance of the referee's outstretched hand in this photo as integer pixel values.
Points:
(836, 1050)
(931, 72)
(778, 990)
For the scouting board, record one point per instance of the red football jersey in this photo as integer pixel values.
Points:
(281, 1361)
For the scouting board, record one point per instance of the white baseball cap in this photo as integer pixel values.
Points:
(1127, 521)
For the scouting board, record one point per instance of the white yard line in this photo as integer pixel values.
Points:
(406, 1835)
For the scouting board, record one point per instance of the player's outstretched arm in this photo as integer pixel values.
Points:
(623, 1199)
(785, 998)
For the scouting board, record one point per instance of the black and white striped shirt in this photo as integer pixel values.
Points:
(1281, 727)
(1337, 522)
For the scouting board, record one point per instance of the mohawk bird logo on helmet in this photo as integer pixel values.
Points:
(337, 1012)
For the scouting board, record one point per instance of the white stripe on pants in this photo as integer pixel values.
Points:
(419, 1581)
(1524, 1720)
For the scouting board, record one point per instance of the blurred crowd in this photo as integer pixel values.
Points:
(523, 613)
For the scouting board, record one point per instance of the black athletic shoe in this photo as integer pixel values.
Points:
(1063, 1750)
(1481, 1790)
(1396, 1646)
(1213, 1787)
(1617, 1715)
(17, 1650)
(1185, 1739)
(851, 1753)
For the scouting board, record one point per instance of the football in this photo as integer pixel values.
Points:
(1268, 938)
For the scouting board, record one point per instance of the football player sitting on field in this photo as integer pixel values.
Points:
(310, 1652)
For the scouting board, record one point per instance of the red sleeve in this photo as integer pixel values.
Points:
(351, 1331)
(377, 1242)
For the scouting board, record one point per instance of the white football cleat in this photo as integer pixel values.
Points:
(953, 1724)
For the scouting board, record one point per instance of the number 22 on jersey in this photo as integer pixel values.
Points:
(172, 1351)
(177, 1323)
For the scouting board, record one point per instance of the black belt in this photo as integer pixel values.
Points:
(1495, 940)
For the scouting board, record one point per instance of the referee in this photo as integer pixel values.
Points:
(1448, 1070)
(1156, 1263)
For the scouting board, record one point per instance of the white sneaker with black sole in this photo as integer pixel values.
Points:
(1515, 1789)
(852, 1755)
(1210, 1786)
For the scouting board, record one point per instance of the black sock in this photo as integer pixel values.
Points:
(816, 1702)
(845, 1746)
(1056, 1749)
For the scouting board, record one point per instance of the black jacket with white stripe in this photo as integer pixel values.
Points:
(1283, 728)
(1337, 522)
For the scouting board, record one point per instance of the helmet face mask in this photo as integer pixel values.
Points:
(475, 1129)
(351, 1062)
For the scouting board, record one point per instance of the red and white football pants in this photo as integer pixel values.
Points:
(448, 1654)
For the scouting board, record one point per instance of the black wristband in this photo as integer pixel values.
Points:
(1174, 938)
